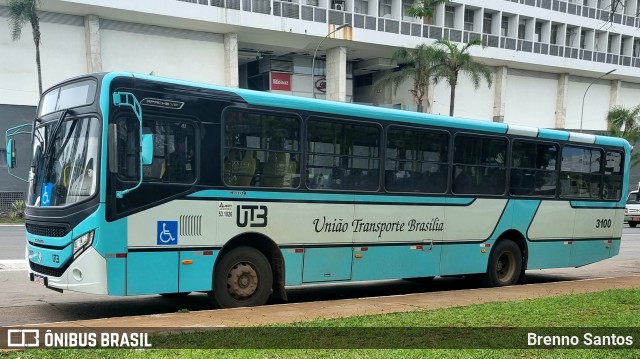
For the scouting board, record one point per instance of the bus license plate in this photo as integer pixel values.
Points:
(40, 279)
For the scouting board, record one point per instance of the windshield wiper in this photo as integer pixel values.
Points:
(49, 153)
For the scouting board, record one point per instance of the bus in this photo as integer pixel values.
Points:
(147, 185)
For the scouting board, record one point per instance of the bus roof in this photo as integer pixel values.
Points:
(267, 99)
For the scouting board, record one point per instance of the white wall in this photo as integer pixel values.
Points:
(185, 55)
(596, 103)
(62, 55)
(629, 95)
(531, 98)
(471, 102)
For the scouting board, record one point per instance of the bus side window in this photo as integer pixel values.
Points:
(239, 168)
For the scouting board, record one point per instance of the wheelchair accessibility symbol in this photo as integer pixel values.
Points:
(47, 188)
(167, 233)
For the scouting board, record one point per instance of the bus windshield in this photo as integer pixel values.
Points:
(64, 168)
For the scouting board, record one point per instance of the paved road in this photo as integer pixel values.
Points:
(22, 302)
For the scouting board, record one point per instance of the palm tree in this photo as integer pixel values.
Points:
(419, 66)
(452, 60)
(625, 122)
(21, 12)
(424, 8)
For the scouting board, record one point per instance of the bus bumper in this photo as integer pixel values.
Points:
(87, 274)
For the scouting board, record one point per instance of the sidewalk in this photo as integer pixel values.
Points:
(297, 312)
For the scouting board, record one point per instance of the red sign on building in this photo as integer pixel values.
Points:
(280, 81)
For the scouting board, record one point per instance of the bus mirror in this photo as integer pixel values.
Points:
(112, 143)
(11, 153)
(147, 149)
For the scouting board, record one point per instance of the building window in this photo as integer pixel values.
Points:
(468, 20)
(609, 43)
(583, 39)
(570, 36)
(554, 34)
(449, 16)
(522, 27)
(538, 31)
(504, 26)
(406, 5)
(487, 23)
(636, 48)
(385, 8)
(361, 7)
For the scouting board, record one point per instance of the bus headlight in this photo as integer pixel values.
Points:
(82, 243)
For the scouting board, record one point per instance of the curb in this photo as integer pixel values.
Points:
(307, 311)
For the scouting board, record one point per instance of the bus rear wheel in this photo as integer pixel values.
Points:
(242, 278)
(633, 224)
(505, 265)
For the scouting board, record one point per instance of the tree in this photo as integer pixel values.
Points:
(625, 122)
(21, 12)
(424, 8)
(419, 66)
(451, 60)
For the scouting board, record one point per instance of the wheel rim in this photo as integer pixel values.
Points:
(505, 267)
(242, 281)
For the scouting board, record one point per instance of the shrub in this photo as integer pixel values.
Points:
(17, 209)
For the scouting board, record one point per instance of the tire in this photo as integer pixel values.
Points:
(242, 278)
(633, 224)
(505, 265)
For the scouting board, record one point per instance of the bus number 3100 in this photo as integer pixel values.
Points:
(603, 223)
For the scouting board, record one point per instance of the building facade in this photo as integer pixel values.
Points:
(544, 54)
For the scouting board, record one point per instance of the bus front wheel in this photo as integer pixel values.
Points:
(633, 224)
(242, 278)
(505, 265)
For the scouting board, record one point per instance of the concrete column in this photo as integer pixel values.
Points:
(231, 77)
(562, 97)
(92, 43)
(336, 64)
(614, 99)
(500, 94)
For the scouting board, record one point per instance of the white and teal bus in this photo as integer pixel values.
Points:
(146, 185)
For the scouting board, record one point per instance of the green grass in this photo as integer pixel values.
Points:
(445, 328)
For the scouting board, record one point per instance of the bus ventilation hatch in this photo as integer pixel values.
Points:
(191, 225)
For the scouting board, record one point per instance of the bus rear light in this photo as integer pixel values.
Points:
(207, 253)
(299, 250)
(187, 262)
(364, 249)
(121, 255)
